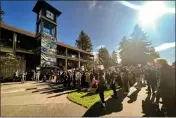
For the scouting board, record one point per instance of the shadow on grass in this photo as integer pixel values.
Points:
(112, 105)
(63, 93)
(88, 94)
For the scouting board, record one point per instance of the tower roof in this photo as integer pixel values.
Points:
(43, 4)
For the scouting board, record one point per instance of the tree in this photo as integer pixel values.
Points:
(9, 63)
(125, 51)
(2, 13)
(84, 42)
(114, 58)
(153, 54)
(137, 49)
(104, 57)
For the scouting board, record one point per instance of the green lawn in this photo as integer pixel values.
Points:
(86, 101)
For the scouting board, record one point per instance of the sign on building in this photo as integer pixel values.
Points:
(48, 51)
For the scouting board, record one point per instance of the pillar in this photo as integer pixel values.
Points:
(24, 64)
(42, 26)
(66, 63)
(56, 30)
(14, 42)
(79, 63)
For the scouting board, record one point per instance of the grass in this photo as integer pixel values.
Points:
(89, 100)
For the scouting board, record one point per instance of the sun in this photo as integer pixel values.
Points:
(150, 12)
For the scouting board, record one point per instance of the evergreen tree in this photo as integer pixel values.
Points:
(138, 49)
(104, 57)
(84, 42)
(2, 13)
(114, 58)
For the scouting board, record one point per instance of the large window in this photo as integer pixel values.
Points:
(50, 28)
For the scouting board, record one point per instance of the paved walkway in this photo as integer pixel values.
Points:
(18, 86)
(134, 104)
(54, 102)
(46, 101)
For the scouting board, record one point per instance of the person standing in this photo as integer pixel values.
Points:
(78, 80)
(152, 80)
(58, 77)
(166, 85)
(87, 76)
(68, 79)
(138, 79)
(126, 81)
(65, 78)
(34, 75)
(107, 78)
(38, 76)
(74, 79)
(101, 87)
(23, 77)
(91, 79)
(113, 77)
(17, 74)
(44, 78)
(83, 79)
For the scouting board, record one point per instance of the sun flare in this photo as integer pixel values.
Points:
(150, 12)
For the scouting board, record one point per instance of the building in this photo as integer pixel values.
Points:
(41, 49)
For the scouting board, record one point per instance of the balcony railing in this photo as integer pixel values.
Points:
(87, 58)
(72, 56)
(61, 53)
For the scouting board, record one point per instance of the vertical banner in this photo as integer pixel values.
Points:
(48, 51)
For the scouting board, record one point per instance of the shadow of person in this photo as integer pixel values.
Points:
(88, 94)
(112, 105)
(133, 96)
(150, 109)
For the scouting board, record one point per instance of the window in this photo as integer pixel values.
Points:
(49, 15)
(49, 28)
(39, 28)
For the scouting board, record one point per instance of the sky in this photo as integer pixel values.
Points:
(105, 22)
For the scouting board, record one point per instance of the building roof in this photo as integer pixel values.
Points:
(17, 30)
(33, 35)
(72, 47)
(43, 4)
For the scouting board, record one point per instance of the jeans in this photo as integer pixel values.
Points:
(114, 89)
(101, 94)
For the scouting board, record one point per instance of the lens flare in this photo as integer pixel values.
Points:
(149, 12)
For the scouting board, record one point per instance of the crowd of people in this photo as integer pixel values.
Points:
(159, 77)
(26, 75)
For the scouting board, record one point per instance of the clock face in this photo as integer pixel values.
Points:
(49, 15)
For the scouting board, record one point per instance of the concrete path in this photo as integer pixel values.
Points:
(39, 102)
(17, 86)
(136, 103)
(48, 101)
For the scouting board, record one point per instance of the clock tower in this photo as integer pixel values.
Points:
(46, 28)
